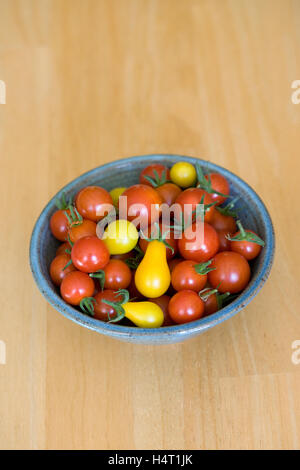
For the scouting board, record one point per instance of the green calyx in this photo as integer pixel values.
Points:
(99, 275)
(207, 292)
(227, 210)
(201, 210)
(117, 306)
(204, 183)
(87, 305)
(160, 237)
(221, 298)
(74, 218)
(203, 268)
(157, 180)
(62, 203)
(245, 236)
(134, 261)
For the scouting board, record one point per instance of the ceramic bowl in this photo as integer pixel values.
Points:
(125, 172)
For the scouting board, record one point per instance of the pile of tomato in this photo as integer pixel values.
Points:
(133, 267)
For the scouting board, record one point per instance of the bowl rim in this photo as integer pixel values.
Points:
(189, 329)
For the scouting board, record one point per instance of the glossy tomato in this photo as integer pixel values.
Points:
(249, 250)
(224, 242)
(59, 225)
(103, 311)
(199, 242)
(152, 232)
(89, 254)
(169, 192)
(87, 228)
(190, 198)
(76, 286)
(93, 203)
(186, 306)
(117, 275)
(57, 271)
(183, 174)
(185, 276)
(231, 274)
(218, 183)
(140, 200)
(155, 172)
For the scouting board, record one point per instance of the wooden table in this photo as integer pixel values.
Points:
(88, 82)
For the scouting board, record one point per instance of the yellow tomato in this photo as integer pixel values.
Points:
(115, 194)
(152, 277)
(144, 314)
(183, 174)
(120, 237)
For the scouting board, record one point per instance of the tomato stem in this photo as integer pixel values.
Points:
(204, 183)
(245, 236)
(99, 275)
(157, 180)
(87, 305)
(203, 268)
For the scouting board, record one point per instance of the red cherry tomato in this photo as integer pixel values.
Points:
(57, 271)
(140, 200)
(195, 247)
(169, 192)
(103, 311)
(93, 203)
(232, 273)
(193, 196)
(76, 286)
(89, 254)
(185, 277)
(219, 183)
(186, 306)
(61, 250)
(224, 242)
(59, 225)
(223, 222)
(248, 249)
(154, 171)
(170, 239)
(163, 303)
(86, 229)
(117, 275)
(210, 303)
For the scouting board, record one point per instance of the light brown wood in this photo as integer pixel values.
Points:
(92, 81)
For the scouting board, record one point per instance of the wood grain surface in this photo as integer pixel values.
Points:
(88, 82)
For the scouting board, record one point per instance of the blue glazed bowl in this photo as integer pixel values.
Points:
(250, 207)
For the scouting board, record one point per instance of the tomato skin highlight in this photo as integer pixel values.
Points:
(91, 203)
(59, 225)
(193, 196)
(57, 271)
(117, 275)
(152, 277)
(186, 306)
(232, 273)
(86, 229)
(149, 171)
(169, 192)
(146, 196)
(248, 249)
(219, 183)
(76, 286)
(89, 254)
(184, 277)
(199, 250)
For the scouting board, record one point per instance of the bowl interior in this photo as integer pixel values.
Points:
(126, 172)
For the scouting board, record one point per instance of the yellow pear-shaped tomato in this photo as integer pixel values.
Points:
(144, 314)
(152, 277)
